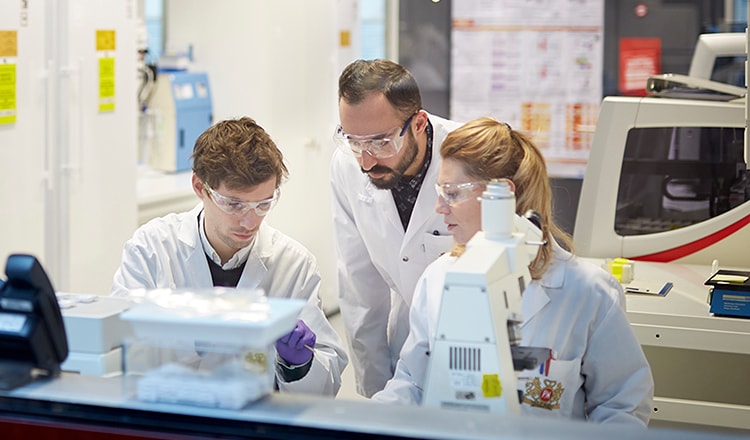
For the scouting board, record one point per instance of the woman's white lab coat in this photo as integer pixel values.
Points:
(577, 310)
(167, 252)
(379, 263)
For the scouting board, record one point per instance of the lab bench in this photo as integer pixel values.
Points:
(700, 362)
(94, 407)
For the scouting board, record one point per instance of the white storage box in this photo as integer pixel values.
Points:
(199, 374)
(208, 347)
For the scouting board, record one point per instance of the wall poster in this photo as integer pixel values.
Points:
(536, 65)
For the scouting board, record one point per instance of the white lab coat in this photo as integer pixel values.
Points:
(379, 264)
(577, 310)
(167, 252)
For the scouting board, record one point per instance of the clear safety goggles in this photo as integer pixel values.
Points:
(380, 145)
(454, 193)
(234, 206)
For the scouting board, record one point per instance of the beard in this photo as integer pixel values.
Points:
(393, 175)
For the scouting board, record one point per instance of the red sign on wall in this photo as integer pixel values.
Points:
(640, 58)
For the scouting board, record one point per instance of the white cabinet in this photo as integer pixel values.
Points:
(67, 181)
(698, 360)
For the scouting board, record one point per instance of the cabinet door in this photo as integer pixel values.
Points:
(67, 178)
(26, 164)
(99, 99)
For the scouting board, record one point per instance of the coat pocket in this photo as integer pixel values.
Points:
(554, 393)
(436, 245)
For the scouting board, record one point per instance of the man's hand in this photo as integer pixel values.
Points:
(296, 347)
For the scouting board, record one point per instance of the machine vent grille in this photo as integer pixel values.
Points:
(465, 359)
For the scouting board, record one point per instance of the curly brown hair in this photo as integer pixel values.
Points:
(238, 153)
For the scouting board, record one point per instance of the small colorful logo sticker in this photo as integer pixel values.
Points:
(545, 395)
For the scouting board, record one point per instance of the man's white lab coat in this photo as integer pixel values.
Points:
(378, 263)
(167, 252)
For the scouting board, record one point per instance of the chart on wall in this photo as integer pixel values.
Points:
(535, 64)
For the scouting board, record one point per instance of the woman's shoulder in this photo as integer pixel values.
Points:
(587, 278)
(590, 269)
(441, 265)
(434, 273)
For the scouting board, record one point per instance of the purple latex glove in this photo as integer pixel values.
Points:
(296, 346)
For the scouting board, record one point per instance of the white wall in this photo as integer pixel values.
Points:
(278, 62)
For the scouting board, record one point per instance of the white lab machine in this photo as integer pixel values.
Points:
(95, 333)
(666, 181)
(204, 347)
(667, 174)
(475, 354)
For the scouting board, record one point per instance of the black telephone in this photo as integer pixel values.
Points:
(33, 341)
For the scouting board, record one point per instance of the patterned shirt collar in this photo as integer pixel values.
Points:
(405, 193)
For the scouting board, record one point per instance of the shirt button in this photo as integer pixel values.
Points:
(405, 259)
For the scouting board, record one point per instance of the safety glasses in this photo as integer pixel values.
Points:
(380, 146)
(240, 207)
(454, 193)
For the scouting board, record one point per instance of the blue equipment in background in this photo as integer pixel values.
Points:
(183, 110)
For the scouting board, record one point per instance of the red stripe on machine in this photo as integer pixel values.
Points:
(695, 246)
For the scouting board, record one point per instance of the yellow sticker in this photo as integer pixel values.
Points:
(105, 40)
(8, 44)
(491, 386)
(7, 94)
(345, 39)
(106, 84)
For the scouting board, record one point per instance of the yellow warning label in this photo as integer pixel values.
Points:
(105, 40)
(106, 84)
(345, 38)
(8, 43)
(491, 386)
(7, 94)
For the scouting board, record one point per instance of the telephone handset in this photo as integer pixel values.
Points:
(33, 341)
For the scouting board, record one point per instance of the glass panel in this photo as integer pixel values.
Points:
(372, 21)
(674, 177)
(154, 15)
(729, 70)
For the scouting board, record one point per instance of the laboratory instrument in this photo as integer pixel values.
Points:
(475, 351)
(95, 333)
(667, 175)
(182, 107)
(729, 293)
